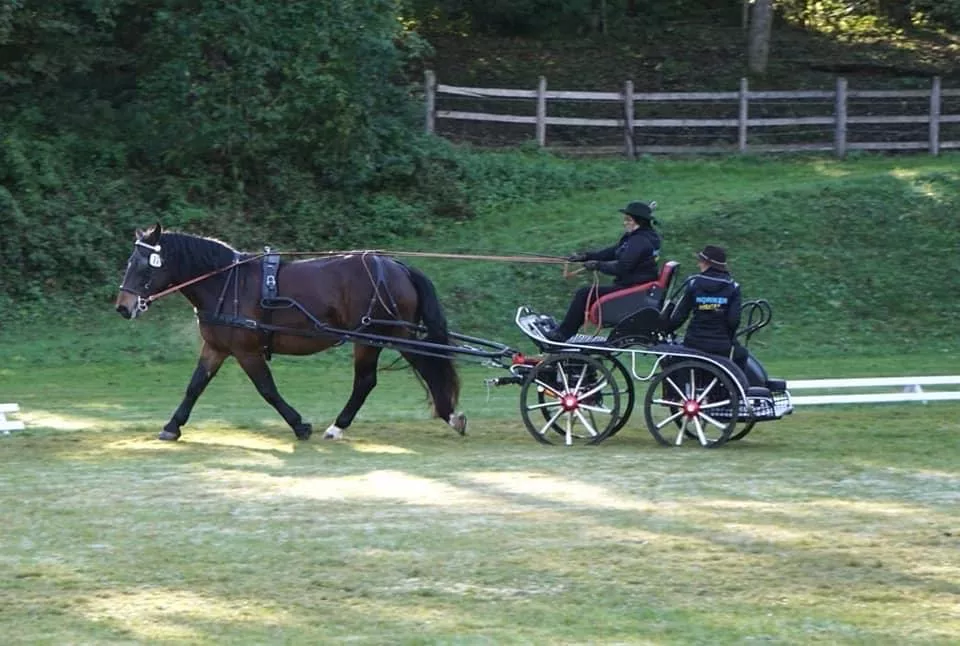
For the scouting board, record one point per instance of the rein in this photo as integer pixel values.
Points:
(187, 283)
(528, 258)
(542, 259)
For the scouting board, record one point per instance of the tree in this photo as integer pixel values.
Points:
(285, 119)
(898, 12)
(758, 48)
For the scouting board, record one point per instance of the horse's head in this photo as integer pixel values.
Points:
(146, 274)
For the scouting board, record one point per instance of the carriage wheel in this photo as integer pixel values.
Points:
(691, 398)
(622, 381)
(739, 435)
(575, 395)
(742, 433)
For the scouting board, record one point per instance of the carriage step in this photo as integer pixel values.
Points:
(765, 406)
(777, 384)
(587, 339)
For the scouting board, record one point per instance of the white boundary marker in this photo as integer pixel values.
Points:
(913, 390)
(7, 425)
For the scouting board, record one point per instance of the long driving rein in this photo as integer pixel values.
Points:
(143, 302)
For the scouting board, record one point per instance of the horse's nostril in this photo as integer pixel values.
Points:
(124, 312)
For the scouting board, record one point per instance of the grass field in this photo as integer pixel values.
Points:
(835, 525)
(831, 526)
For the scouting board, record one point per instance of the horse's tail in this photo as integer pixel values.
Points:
(429, 310)
(439, 373)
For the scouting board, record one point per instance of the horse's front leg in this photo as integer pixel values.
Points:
(364, 380)
(256, 368)
(207, 367)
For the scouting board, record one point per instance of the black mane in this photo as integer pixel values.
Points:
(194, 255)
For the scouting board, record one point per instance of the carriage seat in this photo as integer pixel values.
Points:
(610, 309)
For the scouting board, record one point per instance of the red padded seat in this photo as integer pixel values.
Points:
(612, 308)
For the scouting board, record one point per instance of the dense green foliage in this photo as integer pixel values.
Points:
(292, 123)
(527, 17)
(220, 111)
(288, 123)
(839, 14)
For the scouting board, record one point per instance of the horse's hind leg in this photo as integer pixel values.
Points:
(256, 368)
(364, 379)
(441, 379)
(207, 367)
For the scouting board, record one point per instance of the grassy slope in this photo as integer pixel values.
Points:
(855, 256)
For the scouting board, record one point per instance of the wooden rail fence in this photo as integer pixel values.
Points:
(837, 122)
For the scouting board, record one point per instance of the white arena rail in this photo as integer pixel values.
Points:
(8, 425)
(912, 390)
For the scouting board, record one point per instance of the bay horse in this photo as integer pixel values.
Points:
(347, 292)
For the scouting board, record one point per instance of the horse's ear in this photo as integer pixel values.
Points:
(152, 235)
(139, 233)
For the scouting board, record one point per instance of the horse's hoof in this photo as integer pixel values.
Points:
(333, 432)
(303, 431)
(459, 422)
(169, 436)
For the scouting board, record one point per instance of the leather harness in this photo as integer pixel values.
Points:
(270, 300)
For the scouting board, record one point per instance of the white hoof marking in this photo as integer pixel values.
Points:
(333, 432)
(459, 422)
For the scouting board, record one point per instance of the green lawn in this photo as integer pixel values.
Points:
(831, 526)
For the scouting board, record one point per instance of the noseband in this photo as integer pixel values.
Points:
(143, 301)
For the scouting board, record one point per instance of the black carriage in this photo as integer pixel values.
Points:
(583, 390)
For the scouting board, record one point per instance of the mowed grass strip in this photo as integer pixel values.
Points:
(835, 525)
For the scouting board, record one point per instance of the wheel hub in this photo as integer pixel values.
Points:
(691, 408)
(569, 402)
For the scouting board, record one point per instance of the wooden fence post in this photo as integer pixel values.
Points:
(628, 120)
(542, 112)
(840, 115)
(935, 103)
(743, 116)
(430, 99)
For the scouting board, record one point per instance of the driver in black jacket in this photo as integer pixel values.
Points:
(632, 261)
(713, 298)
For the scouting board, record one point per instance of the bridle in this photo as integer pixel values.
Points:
(155, 260)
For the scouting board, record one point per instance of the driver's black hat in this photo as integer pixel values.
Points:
(640, 211)
(715, 256)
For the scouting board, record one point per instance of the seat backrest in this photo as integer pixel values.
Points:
(614, 307)
(668, 273)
